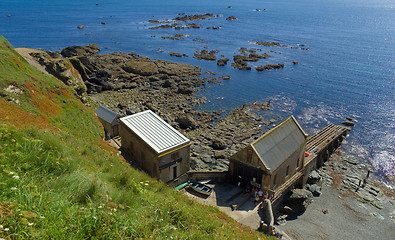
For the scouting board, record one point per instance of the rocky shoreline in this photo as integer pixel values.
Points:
(340, 201)
(129, 83)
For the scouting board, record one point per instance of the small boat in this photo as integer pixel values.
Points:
(181, 186)
(201, 188)
(204, 181)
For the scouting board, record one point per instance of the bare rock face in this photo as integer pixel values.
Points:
(186, 121)
(314, 189)
(141, 68)
(184, 90)
(62, 69)
(314, 177)
(179, 69)
(218, 144)
(299, 200)
(80, 50)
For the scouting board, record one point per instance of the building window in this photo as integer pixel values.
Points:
(287, 172)
(175, 155)
(249, 155)
(297, 164)
(275, 180)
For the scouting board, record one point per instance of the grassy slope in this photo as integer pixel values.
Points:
(58, 179)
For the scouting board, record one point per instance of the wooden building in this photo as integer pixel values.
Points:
(109, 120)
(157, 147)
(273, 159)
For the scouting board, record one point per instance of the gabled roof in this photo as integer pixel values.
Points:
(157, 133)
(276, 145)
(107, 115)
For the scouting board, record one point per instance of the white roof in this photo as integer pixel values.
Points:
(157, 133)
(275, 146)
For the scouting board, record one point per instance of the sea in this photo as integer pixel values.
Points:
(347, 71)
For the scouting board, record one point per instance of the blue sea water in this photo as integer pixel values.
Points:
(349, 69)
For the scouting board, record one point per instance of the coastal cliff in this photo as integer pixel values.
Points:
(59, 179)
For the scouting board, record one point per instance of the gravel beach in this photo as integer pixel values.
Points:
(346, 218)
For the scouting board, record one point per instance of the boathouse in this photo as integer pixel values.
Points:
(274, 161)
(155, 146)
(109, 120)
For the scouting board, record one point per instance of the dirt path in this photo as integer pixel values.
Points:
(25, 53)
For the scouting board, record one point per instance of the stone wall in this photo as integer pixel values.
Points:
(269, 218)
(215, 176)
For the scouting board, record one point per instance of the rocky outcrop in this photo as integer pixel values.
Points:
(270, 44)
(314, 177)
(232, 133)
(186, 121)
(314, 189)
(206, 55)
(230, 18)
(218, 144)
(222, 61)
(269, 67)
(240, 64)
(165, 26)
(176, 54)
(62, 69)
(141, 68)
(348, 123)
(80, 50)
(195, 17)
(299, 200)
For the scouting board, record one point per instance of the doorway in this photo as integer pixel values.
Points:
(174, 172)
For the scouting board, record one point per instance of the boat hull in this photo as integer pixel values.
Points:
(201, 188)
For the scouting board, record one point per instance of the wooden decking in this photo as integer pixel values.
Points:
(325, 140)
(320, 146)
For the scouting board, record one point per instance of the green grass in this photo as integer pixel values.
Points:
(373, 203)
(59, 180)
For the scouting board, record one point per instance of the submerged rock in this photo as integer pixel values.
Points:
(348, 123)
(269, 67)
(206, 55)
(222, 61)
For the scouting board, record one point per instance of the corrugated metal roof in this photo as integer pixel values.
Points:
(107, 115)
(154, 131)
(279, 143)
